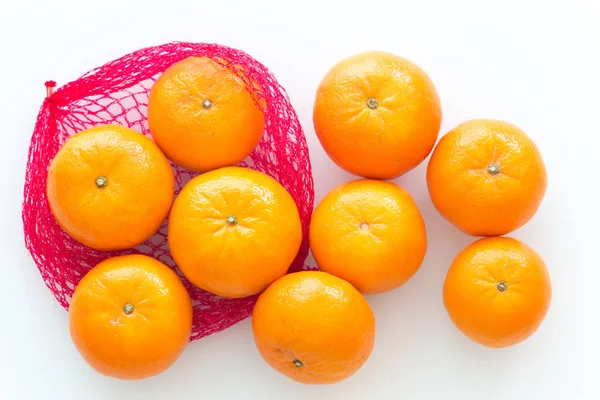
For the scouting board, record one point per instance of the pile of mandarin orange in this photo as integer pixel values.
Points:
(234, 232)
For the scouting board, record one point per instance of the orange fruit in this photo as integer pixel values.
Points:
(377, 115)
(110, 187)
(130, 317)
(202, 116)
(369, 233)
(233, 231)
(497, 291)
(313, 327)
(486, 177)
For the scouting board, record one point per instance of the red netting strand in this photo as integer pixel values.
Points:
(117, 93)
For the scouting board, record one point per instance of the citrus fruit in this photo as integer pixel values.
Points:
(369, 233)
(377, 115)
(497, 291)
(202, 116)
(486, 177)
(233, 231)
(110, 187)
(130, 317)
(313, 327)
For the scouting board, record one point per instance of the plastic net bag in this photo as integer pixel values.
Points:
(117, 93)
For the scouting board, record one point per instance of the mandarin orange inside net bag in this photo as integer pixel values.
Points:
(117, 93)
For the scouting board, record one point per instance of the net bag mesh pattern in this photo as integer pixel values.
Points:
(117, 93)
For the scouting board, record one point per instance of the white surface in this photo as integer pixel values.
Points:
(534, 64)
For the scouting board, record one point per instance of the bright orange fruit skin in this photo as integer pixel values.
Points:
(497, 291)
(486, 177)
(135, 200)
(313, 327)
(369, 233)
(389, 139)
(200, 135)
(143, 342)
(233, 231)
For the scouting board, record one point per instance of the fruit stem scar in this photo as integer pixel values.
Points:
(493, 169)
(298, 363)
(502, 286)
(101, 181)
(363, 226)
(128, 308)
(206, 103)
(232, 220)
(372, 103)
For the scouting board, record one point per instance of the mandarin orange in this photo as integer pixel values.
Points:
(497, 291)
(110, 187)
(313, 327)
(377, 115)
(233, 231)
(202, 116)
(130, 317)
(369, 233)
(486, 177)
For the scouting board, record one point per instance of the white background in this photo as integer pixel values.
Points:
(534, 64)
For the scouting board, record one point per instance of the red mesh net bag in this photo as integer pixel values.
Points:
(117, 92)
